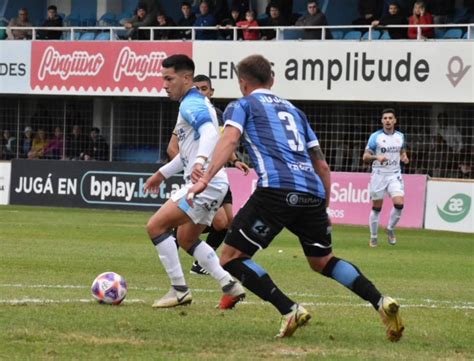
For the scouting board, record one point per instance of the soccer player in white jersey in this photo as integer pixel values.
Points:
(386, 149)
(224, 216)
(198, 133)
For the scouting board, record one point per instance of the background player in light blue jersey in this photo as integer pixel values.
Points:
(292, 192)
(386, 148)
(198, 133)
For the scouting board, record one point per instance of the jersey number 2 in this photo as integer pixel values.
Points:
(296, 144)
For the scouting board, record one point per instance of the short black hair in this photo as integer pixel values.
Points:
(202, 77)
(95, 129)
(179, 62)
(53, 7)
(186, 3)
(389, 110)
(255, 68)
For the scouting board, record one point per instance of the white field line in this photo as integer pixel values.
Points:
(47, 301)
(407, 303)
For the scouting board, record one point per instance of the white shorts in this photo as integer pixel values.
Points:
(386, 183)
(205, 204)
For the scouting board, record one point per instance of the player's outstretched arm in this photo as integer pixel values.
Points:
(173, 148)
(322, 168)
(225, 147)
(152, 184)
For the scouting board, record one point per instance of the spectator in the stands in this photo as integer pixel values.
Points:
(241, 5)
(230, 22)
(164, 21)
(98, 147)
(40, 142)
(315, 17)
(27, 142)
(275, 19)
(441, 10)
(393, 18)
(420, 16)
(145, 16)
(249, 34)
(205, 19)
(188, 19)
(368, 10)
(465, 165)
(8, 150)
(77, 144)
(20, 21)
(285, 8)
(52, 20)
(219, 9)
(402, 7)
(55, 147)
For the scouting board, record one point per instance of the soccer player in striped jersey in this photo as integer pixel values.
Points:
(292, 192)
(198, 133)
(386, 149)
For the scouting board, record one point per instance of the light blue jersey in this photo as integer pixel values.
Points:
(194, 110)
(277, 136)
(389, 145)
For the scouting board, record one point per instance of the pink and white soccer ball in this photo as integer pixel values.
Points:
(109, 288)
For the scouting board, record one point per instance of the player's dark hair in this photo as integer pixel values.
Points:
(389, 110)
(202, 77)
(186, 3)
(256, 69)
(179, 62)
(53, 7)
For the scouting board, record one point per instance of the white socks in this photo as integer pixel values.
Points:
(208, 260)
(394, 217)
(374, 223)
(168, 253)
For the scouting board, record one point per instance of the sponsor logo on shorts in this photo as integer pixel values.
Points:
(294, 199)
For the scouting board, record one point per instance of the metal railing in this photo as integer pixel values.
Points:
(69, 32)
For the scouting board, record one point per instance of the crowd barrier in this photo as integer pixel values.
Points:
(321, 71)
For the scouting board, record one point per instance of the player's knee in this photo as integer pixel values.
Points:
(154, 229)
(398, 206)
(377, 209)
(318, 264)
(220, 222)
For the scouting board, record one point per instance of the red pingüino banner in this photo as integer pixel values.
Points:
(101, 68)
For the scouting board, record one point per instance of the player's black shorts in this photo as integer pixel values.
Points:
(269, 210)
(227, 198)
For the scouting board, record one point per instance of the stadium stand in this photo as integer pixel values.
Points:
(87, 36)
(453, 34)
(375, 34)
(385, 36)
(353, 35)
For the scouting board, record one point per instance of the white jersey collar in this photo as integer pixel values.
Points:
(262, 90)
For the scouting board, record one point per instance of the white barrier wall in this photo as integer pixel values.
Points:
(15, 65)
(400, 71)
(5, 171)
(405, 71)
(449, 206)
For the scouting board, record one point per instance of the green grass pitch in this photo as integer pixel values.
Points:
(50, 256)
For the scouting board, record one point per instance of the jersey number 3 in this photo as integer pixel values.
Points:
(296, 144)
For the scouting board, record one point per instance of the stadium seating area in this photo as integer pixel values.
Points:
(338, 13)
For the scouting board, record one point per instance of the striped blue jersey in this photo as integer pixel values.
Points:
(277, 136)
